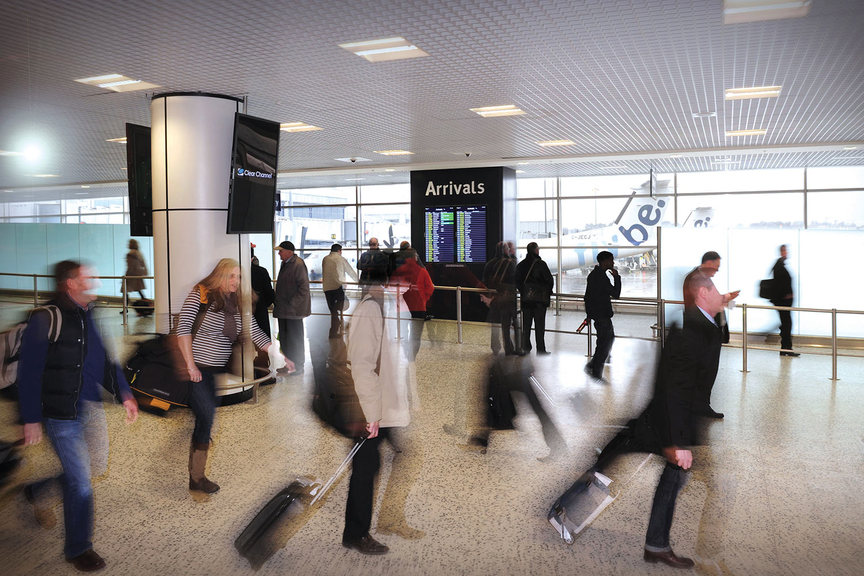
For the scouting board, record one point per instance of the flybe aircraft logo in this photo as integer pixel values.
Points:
(243, 173)
(648, 216)
(452, 189)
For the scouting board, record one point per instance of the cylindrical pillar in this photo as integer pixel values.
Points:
(191, 141)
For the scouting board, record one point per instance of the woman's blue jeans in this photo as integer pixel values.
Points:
(202, 401)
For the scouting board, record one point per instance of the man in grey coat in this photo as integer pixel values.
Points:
(293, 303)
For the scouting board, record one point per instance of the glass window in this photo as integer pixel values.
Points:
(839, 177)
(743, 210)
(318, 196)
(390, 224)
(613, 221)
(741, 181)
(537, 219)
(311, 228)
(535, 187)
(614, 185)
(836, 210)
(390, 193)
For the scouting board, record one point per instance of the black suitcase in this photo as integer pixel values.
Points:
(152, 374)
(143, 307)
(266, 533)
(580, 505)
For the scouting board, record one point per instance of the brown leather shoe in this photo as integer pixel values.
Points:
(669, 558)
(366, 545)
(89, 561)
(203, 485)
(45, 516)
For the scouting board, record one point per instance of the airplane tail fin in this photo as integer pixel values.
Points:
(699, 218)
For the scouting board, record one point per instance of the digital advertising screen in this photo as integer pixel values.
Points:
(252, 201)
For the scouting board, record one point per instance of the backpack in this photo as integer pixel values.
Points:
(10, 343)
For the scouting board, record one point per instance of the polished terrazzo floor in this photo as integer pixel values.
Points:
(776, 492)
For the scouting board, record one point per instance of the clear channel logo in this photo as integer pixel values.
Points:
(243, 173)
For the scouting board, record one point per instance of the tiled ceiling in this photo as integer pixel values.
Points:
(622, 79)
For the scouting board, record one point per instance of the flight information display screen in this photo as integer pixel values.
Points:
(455, 234)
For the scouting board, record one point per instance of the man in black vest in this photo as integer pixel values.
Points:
(59, 389)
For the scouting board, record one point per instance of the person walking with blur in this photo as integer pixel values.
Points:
(135, 266)
(334, 269)
(598, 307)
(210, 323)
(293, 304)
(417, 288)
(59, 389)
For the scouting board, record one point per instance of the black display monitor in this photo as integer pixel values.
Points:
(455, 234)
(140, 184)
(252, 199)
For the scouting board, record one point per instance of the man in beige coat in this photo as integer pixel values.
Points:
(383, 396)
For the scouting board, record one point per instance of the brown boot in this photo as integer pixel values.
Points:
(197, 464)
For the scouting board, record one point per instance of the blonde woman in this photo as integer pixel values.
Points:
(209, 324)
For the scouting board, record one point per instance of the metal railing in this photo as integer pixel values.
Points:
(559, 298)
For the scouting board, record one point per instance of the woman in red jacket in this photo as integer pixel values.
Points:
(420, 287)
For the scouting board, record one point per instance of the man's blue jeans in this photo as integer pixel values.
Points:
(70, 440)
(671, 481)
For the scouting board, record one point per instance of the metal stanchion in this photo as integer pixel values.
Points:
(35, 291)
(125, 310)
(834, 344)
(398, 311)
(459, 314)
(590, 351)
(744, 338)
(557, 277)
(661, 321)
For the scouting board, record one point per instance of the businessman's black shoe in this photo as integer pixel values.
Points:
(543, 353)
(669, 558)
(366, 545)
(711, 413)
(792, 354)
(89, 561)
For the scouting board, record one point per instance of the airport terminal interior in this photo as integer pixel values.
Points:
(658, 131)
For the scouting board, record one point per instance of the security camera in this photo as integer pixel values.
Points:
(467, 154)
(353, 160)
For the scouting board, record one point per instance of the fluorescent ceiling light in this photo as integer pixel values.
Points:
(353, 179)
(384, 49)
(676, 156)
(520, 171)
(394, 152)
(117, 83)
(493, 111)
(756, 132)
(297, 127)
(738, 11)
(85, 186)
(850, 147)
(755, 92)
(700, 115)
(389, 170)
(46, 175)
(118, 140)
(556, 143)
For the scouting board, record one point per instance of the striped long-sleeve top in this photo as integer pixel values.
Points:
(210, 347)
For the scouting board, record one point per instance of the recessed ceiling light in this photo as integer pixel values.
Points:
(756, 132)
(389, 170)
(84, 186)
(297, 127)
(46, 175)
(754, 92)
(556, 143)
(520, 171)
(81, 193)
(676, 156)
(850, 147)
(384, 49)
(493, 111)
(700, 115)
(352, 159)
(117, 83)
(738, 11)
(725, 162)
(394, 152)
(118, 140)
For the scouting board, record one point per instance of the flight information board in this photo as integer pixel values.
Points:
(455, 234)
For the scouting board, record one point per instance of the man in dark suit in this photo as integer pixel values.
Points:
(598, 307)
(783, 296)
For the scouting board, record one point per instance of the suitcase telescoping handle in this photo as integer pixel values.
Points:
(339, 470)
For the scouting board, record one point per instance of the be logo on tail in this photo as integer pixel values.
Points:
(647, 216)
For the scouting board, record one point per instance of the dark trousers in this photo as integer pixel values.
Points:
(361, 489)
(671, 481)
(502, 316)
(291, 340)
(536, 314)
(605, 338)
(335, 302)
(785, 326)
(202, 401)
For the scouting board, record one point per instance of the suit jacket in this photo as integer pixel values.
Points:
(292, 290)
(782, 284)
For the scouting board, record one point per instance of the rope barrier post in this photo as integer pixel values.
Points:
(744, 338)
(35, 291)
(834, 344)
(125, 310)
(459, 314)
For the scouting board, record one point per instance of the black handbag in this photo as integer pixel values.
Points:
(533, 292)
(766, 289)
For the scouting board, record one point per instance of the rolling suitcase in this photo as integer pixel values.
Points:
(580, 505)
(293, 503)
(143, 307)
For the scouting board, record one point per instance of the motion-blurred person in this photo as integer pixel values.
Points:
(135, 266)
(334, 269)
(709, 267)
(536, 285)
(210, 323)
(419, 289)
(384, 400)
(263, 295)
(59, 389)
(293, 303)
(783, 296)
(598, 307)
(499, 274)
(373, 262)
